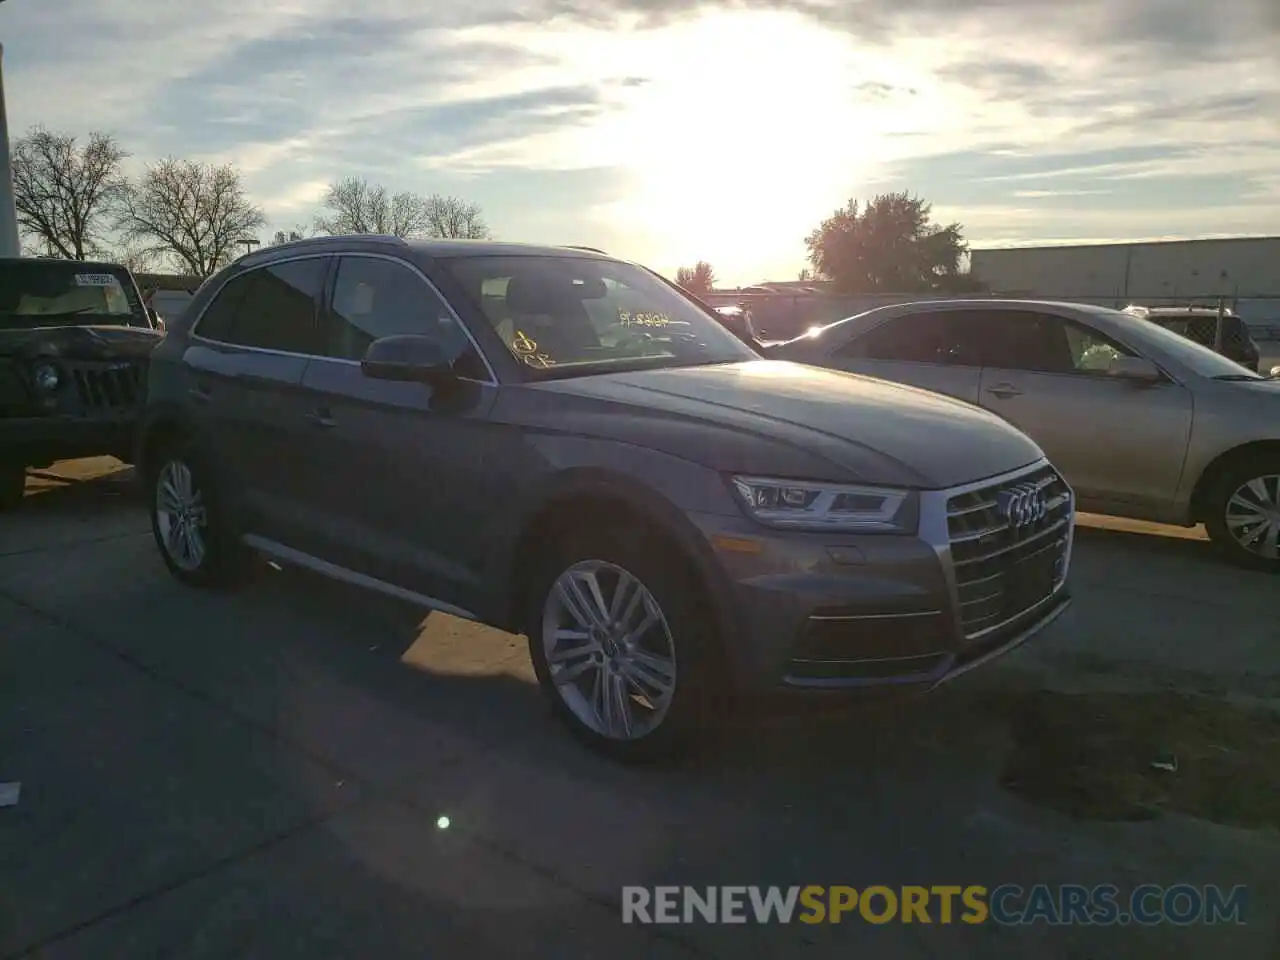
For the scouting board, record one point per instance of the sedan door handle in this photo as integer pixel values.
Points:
(200, 393)
(1004, 391)
(322, 419)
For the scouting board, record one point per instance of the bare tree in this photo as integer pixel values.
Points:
(194, 213)
(136, 259)
(357, 206)
(457, 219)
(64, 191)
(699, 279)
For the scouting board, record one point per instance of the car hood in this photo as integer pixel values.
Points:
(80, 342)
(870, 430)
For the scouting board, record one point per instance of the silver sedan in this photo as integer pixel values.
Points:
(1142, 422)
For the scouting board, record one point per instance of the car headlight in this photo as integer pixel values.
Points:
(46, 377)
(805, 505)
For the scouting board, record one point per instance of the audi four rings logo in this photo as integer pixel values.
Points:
(1023, 505)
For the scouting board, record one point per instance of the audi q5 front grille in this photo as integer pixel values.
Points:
(1009, 545)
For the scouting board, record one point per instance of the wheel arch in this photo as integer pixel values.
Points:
(161, 428)
(591, 497)
(1219, 465)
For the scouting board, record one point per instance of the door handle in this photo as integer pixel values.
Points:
(200, 393)
(1004, 391)
(322, 419)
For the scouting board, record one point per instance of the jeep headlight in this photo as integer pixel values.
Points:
(46, 377)
(813, 505)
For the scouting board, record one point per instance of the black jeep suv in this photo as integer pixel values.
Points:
(74, 342)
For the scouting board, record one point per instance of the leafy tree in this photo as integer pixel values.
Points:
(64, 191)
(889, 246)
(700, 279)
(195, 214)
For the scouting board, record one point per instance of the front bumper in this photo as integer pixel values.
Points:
(820, 612)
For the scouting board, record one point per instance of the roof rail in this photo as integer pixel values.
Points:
(305, 242)
(577, 246)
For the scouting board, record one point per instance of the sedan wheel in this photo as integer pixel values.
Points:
(609, 651)
(1252, 517)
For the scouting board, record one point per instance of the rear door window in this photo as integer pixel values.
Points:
(271, 308)
(945, 337)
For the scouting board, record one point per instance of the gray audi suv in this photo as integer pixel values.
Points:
(561, 444)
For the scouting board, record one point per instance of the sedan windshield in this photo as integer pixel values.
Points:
(574, 316)
(42, 293)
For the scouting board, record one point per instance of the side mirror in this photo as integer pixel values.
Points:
(1275, 372)
(407, 357)
(1137, 369)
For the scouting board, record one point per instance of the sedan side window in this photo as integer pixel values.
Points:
(1044, 343)
(1091, 352)
(375, 298)
(913, 338)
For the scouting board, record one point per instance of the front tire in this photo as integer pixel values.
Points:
(189, 522)
(622, 652)
(13, 484)
(1244, 514)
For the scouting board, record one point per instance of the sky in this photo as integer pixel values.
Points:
(668, 132)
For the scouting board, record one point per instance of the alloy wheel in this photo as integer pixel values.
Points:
(609, 650)
(1253, 516)
(181, 516)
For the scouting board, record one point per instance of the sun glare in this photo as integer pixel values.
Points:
(738, 129)
(733, 140)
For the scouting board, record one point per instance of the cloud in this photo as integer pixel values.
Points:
(669, 129)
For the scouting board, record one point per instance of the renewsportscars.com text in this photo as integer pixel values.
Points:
(1008, 905)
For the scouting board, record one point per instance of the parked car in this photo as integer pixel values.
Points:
(558, 443)
(74, 343)
(1141, 421)
(737, 320)
(1201, 325)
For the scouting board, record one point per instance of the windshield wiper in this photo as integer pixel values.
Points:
(1233, 377)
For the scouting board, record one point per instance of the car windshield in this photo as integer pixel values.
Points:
(1200, 359)
(39, 293)
(575, 316)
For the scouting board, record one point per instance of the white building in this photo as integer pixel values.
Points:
(1245, 271)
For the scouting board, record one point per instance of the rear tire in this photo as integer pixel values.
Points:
(1244, 513)
(652, 648)
(189, 521)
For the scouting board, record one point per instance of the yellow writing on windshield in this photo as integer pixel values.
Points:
(526, 348)
(628, 319)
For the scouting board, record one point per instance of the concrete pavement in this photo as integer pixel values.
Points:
(263, 774)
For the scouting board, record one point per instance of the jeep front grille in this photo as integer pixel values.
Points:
(105, 388)
(1003, 569)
